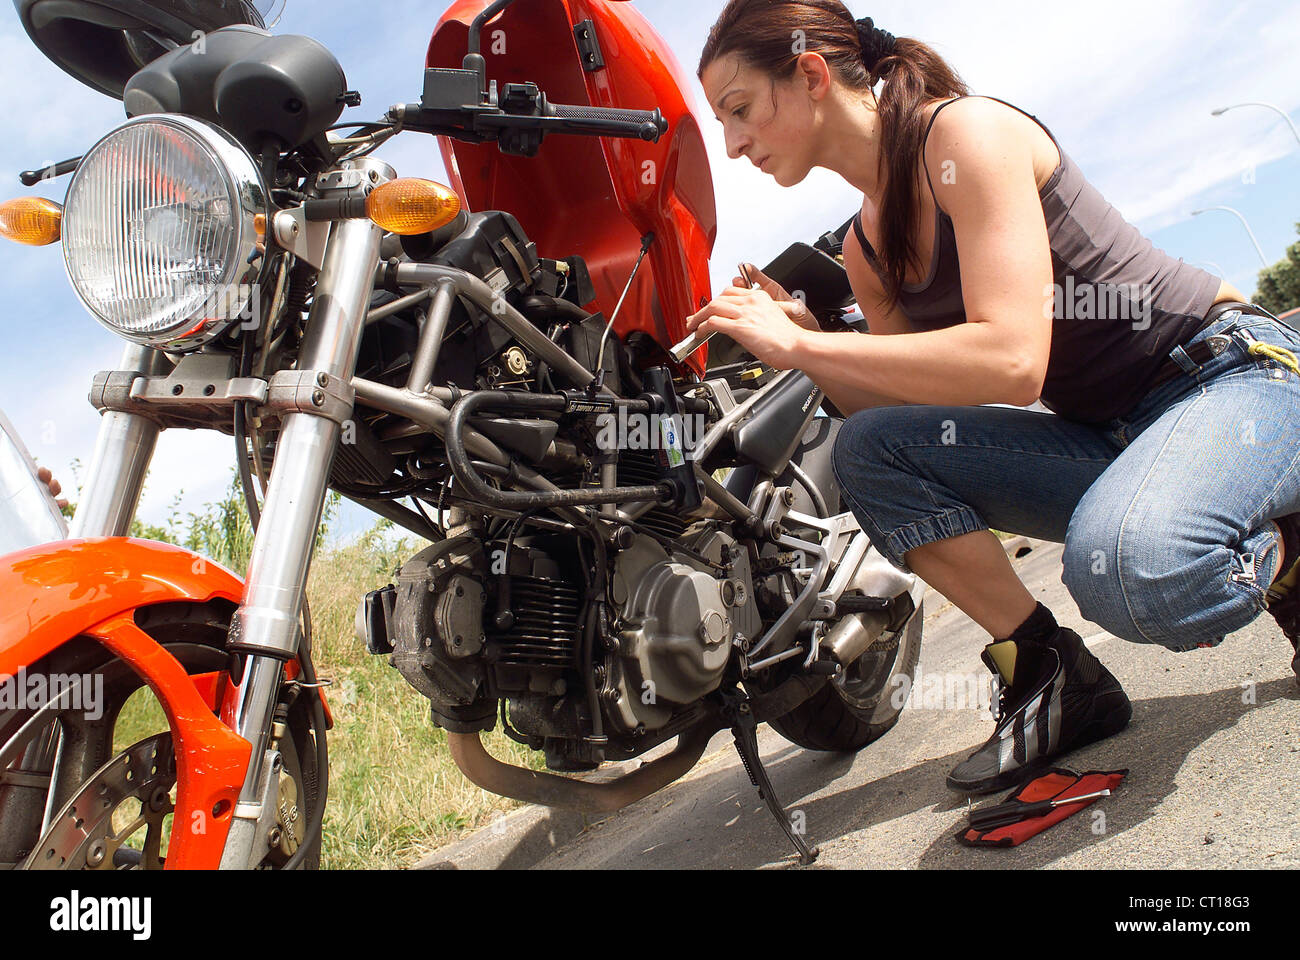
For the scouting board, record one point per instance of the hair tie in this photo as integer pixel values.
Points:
(876, 44)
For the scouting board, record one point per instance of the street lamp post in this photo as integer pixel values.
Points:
(1269, 106)
(1244, 223)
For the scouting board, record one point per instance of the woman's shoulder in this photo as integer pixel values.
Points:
(978, 129)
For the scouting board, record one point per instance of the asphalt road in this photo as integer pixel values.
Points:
(1213, 753)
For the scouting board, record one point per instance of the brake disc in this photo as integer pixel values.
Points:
(81, 836)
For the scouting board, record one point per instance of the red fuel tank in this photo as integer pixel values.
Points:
(588, 196)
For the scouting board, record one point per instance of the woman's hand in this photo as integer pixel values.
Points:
(44, 475)
(794, 308)
(754, 320)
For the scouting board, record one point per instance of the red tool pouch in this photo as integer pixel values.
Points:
(1057, 784)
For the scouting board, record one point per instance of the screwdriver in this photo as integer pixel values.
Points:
(694, 341)
(1005, 814)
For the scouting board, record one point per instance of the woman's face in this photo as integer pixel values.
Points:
(772, 122)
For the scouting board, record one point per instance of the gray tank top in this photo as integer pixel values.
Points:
(1121, 304)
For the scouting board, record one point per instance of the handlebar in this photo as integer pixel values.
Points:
(519, 117)
(647, 125)
(523, 132)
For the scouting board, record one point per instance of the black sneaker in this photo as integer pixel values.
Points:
(1063, 699)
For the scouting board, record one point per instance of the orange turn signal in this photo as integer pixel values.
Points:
(409, 206)
(34, 221)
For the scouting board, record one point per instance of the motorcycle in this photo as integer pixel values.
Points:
(627, 546)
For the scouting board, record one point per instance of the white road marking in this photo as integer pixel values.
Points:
(1096, 640)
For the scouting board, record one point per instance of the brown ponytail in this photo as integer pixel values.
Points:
(770, 35)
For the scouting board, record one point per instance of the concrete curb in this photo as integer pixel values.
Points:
(516, 841)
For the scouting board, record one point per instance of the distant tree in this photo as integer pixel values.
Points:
(1279, 285)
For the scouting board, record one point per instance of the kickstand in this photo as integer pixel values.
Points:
(745, 729)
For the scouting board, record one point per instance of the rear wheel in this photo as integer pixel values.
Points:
(858, 707)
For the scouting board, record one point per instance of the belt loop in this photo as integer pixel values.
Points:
(1179, 356)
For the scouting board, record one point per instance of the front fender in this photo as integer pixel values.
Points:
(54, 592)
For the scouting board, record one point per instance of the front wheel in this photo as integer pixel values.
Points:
(95, 788)
(859, 707)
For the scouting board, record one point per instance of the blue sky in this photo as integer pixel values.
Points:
(1127, 88)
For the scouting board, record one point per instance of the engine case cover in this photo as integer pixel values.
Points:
(679, 621)
(437, 631)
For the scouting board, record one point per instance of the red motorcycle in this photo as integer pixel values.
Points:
(629, 544)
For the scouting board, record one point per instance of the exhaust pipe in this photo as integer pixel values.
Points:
(853, 636)
(584, 796)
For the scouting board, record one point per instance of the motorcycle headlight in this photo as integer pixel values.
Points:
(162, 231)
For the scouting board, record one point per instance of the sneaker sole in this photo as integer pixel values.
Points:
(1004, 780)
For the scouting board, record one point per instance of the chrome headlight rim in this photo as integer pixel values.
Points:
(249, 211)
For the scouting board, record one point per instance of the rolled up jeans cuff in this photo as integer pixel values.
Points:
(956, 522)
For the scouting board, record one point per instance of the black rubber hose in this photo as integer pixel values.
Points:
(554, 308)
(476, 26)
(242, 445)
(317, 823)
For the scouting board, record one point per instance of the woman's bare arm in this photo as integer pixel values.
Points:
(867, 290)
(982, 166)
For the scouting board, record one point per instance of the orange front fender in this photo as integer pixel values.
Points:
(52, 593)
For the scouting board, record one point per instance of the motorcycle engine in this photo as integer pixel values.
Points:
(471, 626)
(516, 615)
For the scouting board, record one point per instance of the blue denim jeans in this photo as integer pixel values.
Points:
(1165, 514)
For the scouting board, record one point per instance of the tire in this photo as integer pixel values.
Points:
(195, 634)
(857, 709)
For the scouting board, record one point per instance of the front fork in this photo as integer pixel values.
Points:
(123, 448)
(264, 630)
(266, 626)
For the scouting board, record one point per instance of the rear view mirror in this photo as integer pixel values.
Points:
(104, 42)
